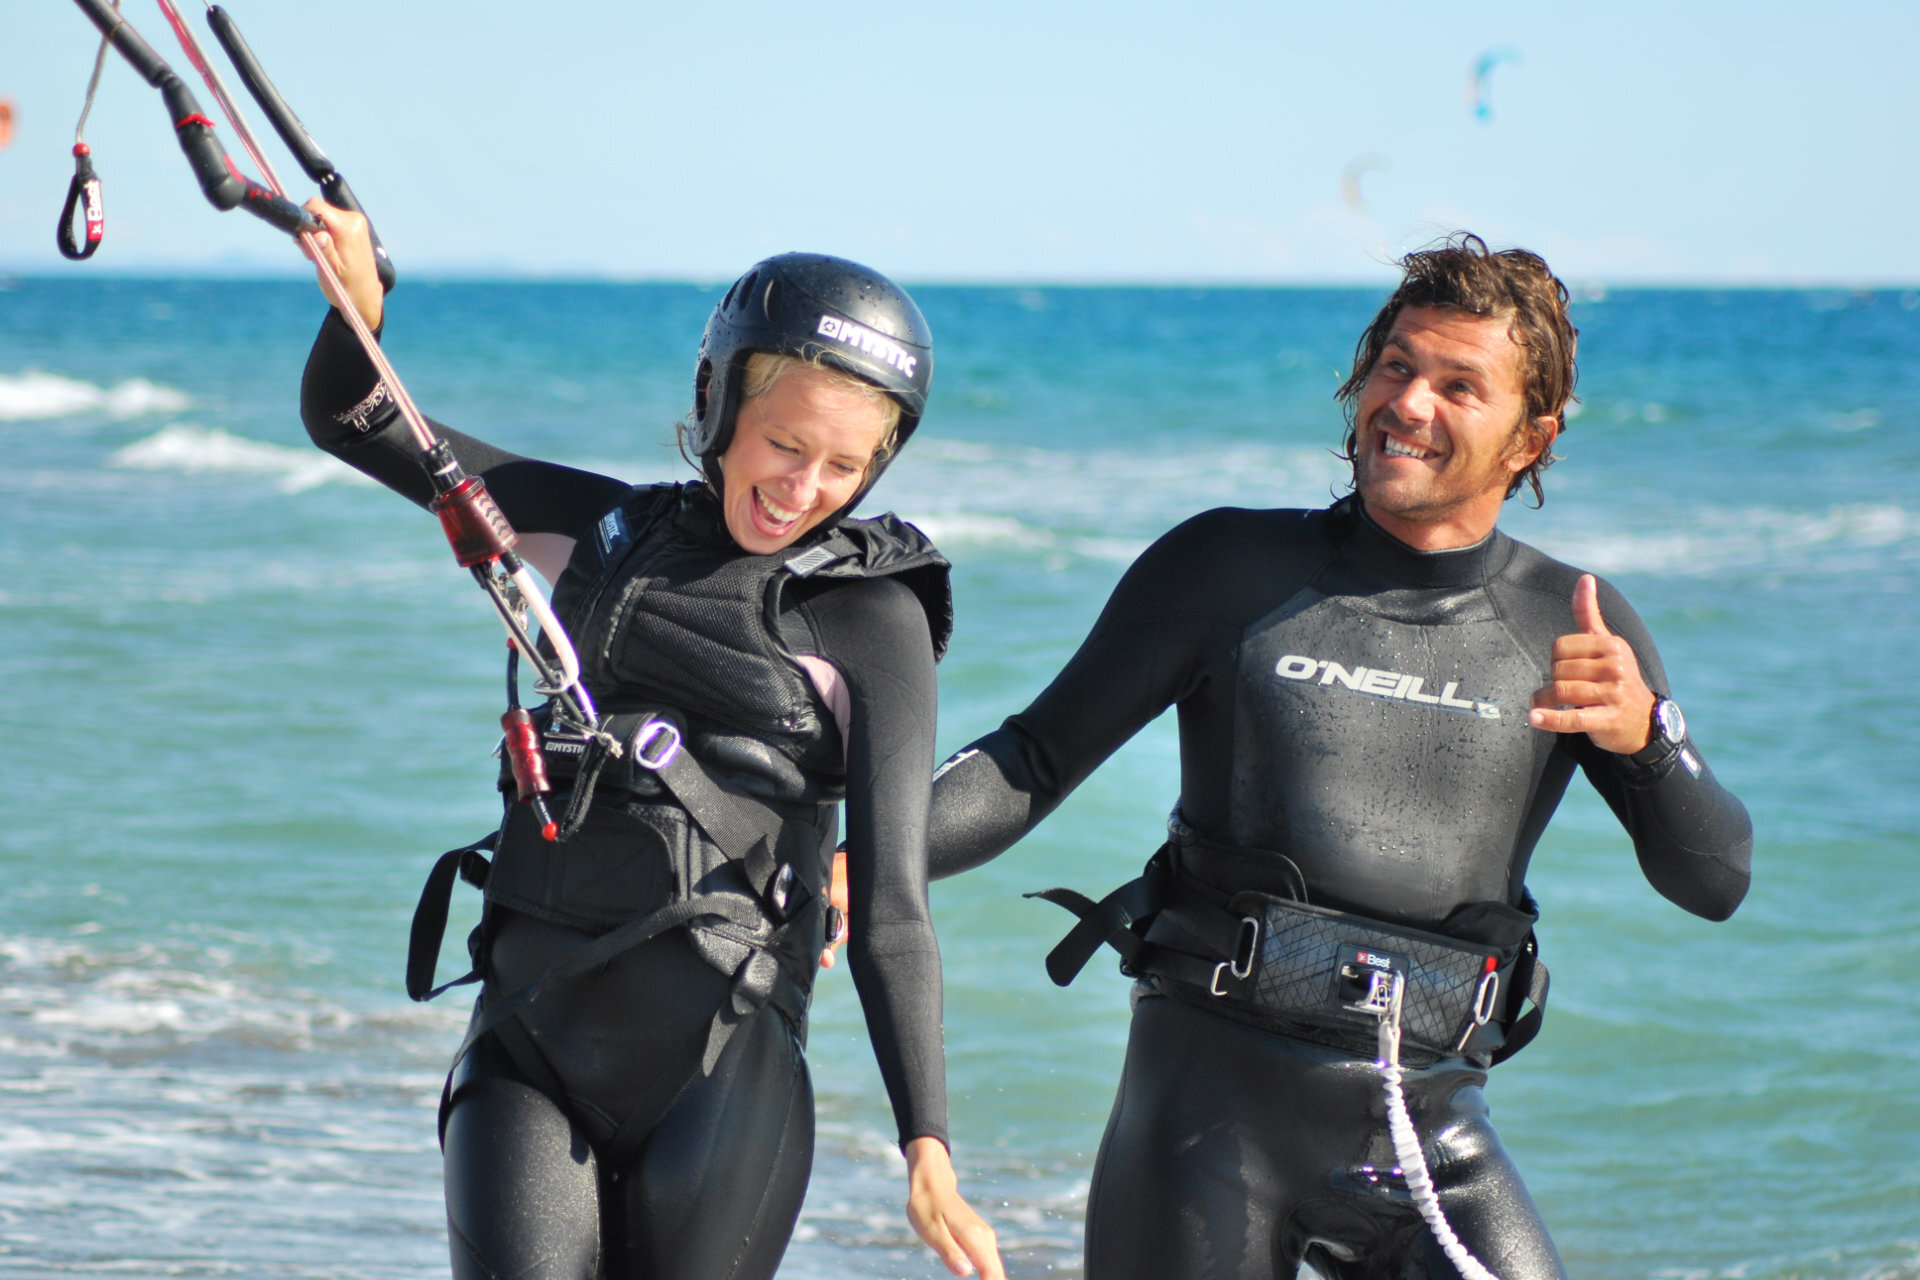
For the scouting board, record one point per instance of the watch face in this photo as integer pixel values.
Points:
(1673, 725)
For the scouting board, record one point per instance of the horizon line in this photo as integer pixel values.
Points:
(1579, 286)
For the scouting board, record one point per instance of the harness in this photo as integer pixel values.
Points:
(1281, 963)
(760, 884)
(672, 819)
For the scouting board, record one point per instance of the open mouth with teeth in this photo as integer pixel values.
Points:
(1394, 448)
(773, 519)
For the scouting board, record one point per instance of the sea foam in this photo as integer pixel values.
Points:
(201, 450)
(34, 396)
(1771, 540)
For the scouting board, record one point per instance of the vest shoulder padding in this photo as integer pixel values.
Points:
(885, 546)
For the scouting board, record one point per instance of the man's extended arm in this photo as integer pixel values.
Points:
(1691, 835)
(1138, 660)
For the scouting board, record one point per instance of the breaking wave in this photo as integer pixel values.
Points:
(201, 450)
(1721, 540)
(34, 396)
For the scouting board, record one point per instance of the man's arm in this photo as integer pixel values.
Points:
(1692, 836)
(1140, 657)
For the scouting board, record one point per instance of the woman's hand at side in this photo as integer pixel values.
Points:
(347, 247)
(837, 897)
(946, 1222)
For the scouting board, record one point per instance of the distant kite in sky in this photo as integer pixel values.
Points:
(6, 124)
(1350, 179)
(1479, 80)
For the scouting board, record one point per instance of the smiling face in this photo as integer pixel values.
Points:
(799, 453)
(1440, 427)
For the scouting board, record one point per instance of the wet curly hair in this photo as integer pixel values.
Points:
(1460, 273)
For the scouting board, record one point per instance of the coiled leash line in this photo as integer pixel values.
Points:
(482, 539)
(1386, 991)
(83, 193)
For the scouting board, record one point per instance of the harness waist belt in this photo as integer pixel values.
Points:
(1306, 964)
(1269, 961)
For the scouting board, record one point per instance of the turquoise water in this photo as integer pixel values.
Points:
(253, 697)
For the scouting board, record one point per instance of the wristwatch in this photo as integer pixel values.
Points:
(1669, 731)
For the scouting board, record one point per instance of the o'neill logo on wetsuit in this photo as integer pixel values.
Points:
(1383, 684)
(874, 344)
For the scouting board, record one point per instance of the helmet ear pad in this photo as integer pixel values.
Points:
(716, 409)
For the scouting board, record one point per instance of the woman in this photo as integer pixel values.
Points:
(653, 1117)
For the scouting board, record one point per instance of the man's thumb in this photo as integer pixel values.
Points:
(1586, 606)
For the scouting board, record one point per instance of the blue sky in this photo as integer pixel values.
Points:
(1033, 142)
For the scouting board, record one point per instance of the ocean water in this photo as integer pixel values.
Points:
(252, 698)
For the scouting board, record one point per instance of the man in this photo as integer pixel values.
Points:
(1380, 706)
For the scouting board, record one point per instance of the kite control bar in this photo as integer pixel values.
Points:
(482, 539)
(225, 186)
(292, 132)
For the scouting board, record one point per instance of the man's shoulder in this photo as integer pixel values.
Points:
(1531, 569)
(1227, 565)
(1547, 584)
(1236, 528)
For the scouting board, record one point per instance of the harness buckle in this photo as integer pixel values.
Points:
(656, 744)
(1485, 997)
(780, 891)
(1246, 949)
(1383, 988)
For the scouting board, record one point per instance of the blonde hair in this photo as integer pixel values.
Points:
(765, 369)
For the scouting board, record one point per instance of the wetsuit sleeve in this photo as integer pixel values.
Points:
(1138, 660)
(1692, 836)
(875, 632)
(347, 412)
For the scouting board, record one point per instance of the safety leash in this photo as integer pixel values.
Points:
(1386, 991)
(83, 193)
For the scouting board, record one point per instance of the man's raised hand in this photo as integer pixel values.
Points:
(1597, 688)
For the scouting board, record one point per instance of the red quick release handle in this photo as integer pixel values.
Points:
(529, 764)
(473, 522)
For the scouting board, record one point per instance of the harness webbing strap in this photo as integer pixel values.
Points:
(1110, 921)
(600, 951)
(430, 916)
(1531, 977)
(741, 827)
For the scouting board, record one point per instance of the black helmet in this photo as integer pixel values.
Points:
(810, 305)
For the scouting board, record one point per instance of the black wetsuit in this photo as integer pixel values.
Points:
(1352, 714)
(547, 1175)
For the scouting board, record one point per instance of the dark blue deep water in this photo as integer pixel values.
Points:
(252, 697)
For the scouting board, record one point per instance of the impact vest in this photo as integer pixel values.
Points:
(719, 814)
(666, 610)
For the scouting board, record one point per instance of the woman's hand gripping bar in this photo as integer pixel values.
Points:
(305, 150)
